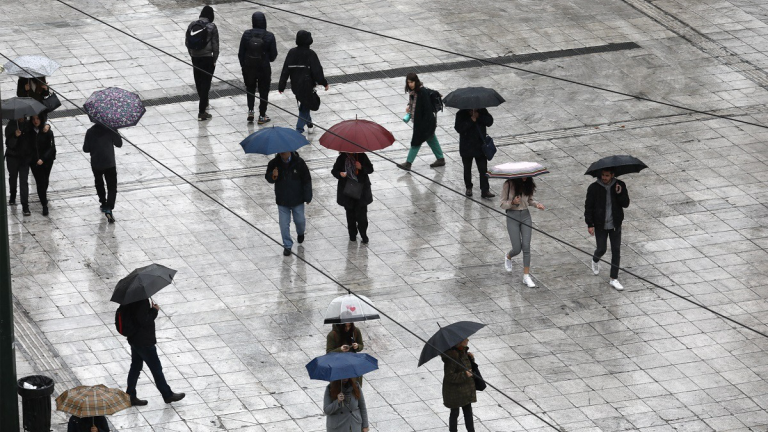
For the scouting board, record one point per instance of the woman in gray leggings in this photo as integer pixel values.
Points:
(516, 197)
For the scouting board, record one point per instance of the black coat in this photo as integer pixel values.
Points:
(16, 146)
(100, 142)
(294, 183)
(40, 145)
(424, 120)
(143, 316)
(362, 177)
(472, 133)
(78, 424)
(259, 22)
(594, 206)
(296, 63)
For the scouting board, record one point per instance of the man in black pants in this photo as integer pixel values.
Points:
(202, 42)
(258, 49)
(604, 208)
(17, 160)
(100, 142)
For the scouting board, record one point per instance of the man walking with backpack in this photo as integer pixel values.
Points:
(304, 69)
(257, 50)
(202, 41)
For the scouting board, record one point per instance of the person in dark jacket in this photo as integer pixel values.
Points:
(354, 167)
(88, 424)
(459, 390)
(258, 49)
(344, 338)
(37, 89)
(604, 208)
(42, 150)
(100, 142)
(471, 125)
(420, 110)
(306, 72)
(17, 161)
(204, 60)
(143, 350)
(293, 187)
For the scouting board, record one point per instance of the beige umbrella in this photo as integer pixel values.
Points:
(92, 401)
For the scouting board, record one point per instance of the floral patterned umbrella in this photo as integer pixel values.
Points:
(31, 66)
(114, 107)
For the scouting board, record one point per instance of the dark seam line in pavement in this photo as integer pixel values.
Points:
(391, 73)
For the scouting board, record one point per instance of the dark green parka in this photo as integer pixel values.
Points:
(458, 388)
(424, 120)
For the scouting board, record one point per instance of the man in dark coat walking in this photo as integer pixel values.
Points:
(143, 350)
(471, 125)
(203, 58)
(100, 142)
(17, 160)
(304, 69)
(258, 49)
(293, 187)
(604, 208)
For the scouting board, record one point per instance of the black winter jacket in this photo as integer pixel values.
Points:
(211, 49)
(296, 63)
(143, 316)
(424, 120)
(362, 177)
(259, 22)
(470, 138)
(16, 146)
(100, 142)
(40, 145)
(594, 206)
(294, 183)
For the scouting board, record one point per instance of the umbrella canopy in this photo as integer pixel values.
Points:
(18, 107)
(268, 141)
(349, 309)
(114, 107)
(91, 401)
(142, 283)
(621, 164)
(513, 170)
(368, 135)
(31, 66)
(473, 98)
(337, 366)
(446, 338)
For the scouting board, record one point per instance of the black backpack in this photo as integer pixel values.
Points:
(197, 35)
(124, 323)
(436, 99)
(254, 52)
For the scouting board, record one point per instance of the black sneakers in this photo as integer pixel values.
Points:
(301, 238)
(250, 116)
(286, 252)
(175, 397)
(203, 116)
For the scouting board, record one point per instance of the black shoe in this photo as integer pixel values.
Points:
(405, 166)
(487, 194)
(468, 192)
(204, 116)
(45, 210)
(365, 239)
(26, 211)
(110, 218)
(353, 238)
(12, 200)
(175, 397)
(264, 119)
(438, 163)
(250, 116)
(286, 252)
(300, 239)
(138, 402)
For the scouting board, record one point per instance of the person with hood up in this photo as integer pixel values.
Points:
(202, 42)
(17, 161)
(293, 187)
(304, 69)
(420, 109)
(258, 49)
(42, 151)
(100, 142)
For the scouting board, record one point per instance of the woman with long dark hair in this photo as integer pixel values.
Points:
(354, 167)
(516, 197)
(344, 407)
(424, 122)
(344, 338)
(42, 151)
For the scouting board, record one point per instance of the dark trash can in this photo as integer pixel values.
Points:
(36, 403)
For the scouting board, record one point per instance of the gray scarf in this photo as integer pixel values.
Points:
(608, 202)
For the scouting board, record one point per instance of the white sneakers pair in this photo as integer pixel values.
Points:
(527, 280)
(614, 282)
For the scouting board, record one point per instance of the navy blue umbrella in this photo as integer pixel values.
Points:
(338, 366)
(269, 141)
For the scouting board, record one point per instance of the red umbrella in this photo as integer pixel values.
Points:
(368, 136)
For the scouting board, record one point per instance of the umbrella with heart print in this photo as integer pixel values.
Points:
(349, 309)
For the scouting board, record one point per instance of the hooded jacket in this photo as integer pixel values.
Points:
(294, 182)
(298, 62)
(100, 142)
(211, 49)
(259, 22)
(594, 206)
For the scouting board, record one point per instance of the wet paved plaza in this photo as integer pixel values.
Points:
(241, 321)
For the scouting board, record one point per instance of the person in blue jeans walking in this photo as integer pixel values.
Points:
(293, 188)
(306, 72)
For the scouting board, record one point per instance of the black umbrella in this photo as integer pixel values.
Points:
(621, 164)
(473, 98)
(142, 283)
(446, 338)
(18, 107)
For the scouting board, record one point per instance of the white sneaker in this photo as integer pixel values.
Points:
(596, 267)
(615, 283)
(529, 281)
(507, 263)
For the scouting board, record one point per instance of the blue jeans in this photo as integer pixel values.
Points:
(148, 355)
(285, 222)
(304, 118)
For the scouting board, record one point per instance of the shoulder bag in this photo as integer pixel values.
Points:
(489, 148)
(479, 381)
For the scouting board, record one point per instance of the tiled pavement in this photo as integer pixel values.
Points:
(240, 321)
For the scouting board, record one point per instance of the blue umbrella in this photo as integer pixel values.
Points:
(273, 140)
(337, 366)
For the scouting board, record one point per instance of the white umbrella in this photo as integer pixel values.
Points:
(348, 309)
(31, 66)
(511, 170)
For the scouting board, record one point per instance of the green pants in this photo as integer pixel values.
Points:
(433, 144)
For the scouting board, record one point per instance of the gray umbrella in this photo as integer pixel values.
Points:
(31, 66)
(18, 107)
(620, 164)
(142, 283)
(473, 98)
(446, 338)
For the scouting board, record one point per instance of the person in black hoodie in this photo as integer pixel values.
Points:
(17, 161)
(258, 49)
(204, 59)
(604, 208)
(100, 142)
(293, 187)
(304, 69)
(354, 167)
(471, 125)
(143, 350)
(42, 150)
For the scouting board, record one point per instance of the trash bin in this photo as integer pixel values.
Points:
(36, 402)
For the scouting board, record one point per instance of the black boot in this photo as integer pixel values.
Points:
(12, 199)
